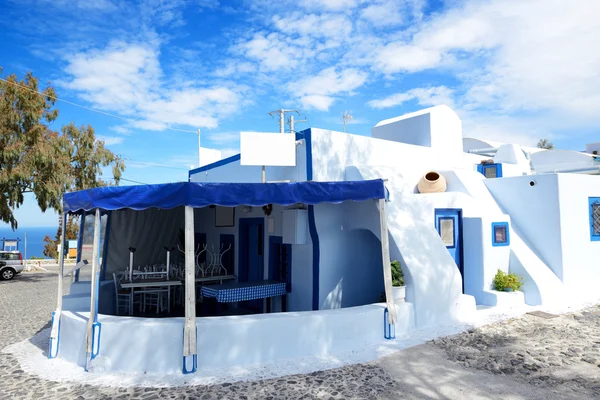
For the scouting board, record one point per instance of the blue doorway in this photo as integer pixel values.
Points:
(448, 223)
(280, 265)
(228, 260)
(251, 266)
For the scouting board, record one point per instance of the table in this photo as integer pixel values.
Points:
(233, 292)
(150, 282)
(219, 278)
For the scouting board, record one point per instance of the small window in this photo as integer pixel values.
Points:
(490, 170)
(447, 231)
(500, 234)
(594, 211)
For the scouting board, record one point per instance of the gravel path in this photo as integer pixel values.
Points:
(556, 352)
(528, 358)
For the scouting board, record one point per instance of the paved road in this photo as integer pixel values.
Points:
(430, 371)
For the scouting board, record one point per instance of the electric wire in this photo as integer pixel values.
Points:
(89, 108)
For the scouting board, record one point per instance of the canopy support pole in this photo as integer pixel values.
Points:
(55, 332)
(75, 277)
(387, 270)
(92, 342)
(190, 356)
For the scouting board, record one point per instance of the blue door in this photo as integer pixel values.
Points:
(448, 223)
(228, 260)
(251, 253)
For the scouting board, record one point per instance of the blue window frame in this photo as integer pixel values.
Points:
(594, 210)
(490, 170)
(500, 234)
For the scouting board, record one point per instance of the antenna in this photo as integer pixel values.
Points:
(281, 113)
(346, 117)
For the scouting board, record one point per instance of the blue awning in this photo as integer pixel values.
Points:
(194, 194)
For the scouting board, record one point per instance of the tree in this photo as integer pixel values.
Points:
(545, 144)
(51, 245)
(36, 159)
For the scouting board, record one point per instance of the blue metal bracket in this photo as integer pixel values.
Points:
(389, 330)
(50, 355)
(96, 326)
(194, 364)
(194, 359)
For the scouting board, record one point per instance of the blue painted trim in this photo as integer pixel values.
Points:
(482, 167)
(214, 165)
(441, 212)
(314, 235)
(312, 226)
(79, 243)
(592, 201)
(105, 251)
(500, 224)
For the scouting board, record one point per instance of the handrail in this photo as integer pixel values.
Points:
(77, 267)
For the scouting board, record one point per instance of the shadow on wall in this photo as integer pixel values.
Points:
(359, 279)
(433, 280)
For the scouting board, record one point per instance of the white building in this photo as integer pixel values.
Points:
(505, 207)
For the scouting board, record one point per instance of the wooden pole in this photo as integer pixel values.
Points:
(387, 271)
(54, 333)
(189, 329)
(93, 318)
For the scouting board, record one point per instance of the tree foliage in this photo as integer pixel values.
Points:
(545, 144)
(51, 245)
(36, 159)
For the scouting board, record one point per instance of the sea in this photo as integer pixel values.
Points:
(35, 238)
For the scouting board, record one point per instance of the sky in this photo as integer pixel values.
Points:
(514, 70)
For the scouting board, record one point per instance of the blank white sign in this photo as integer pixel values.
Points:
(268, 149)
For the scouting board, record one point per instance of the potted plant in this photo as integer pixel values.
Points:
(398, 287)
(507, 282)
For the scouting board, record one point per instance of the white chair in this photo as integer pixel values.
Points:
(123, 297)
(154, 296)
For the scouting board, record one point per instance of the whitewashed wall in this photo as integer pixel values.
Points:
(437, 127)
(580, 255)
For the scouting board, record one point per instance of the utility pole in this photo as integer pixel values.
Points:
(198, 148)
(346, 117)
(292, 121)
(281, 113)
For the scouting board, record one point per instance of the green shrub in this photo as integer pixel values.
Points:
(397, 275)
(507, 281)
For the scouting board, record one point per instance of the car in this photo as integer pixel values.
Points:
(11, 264)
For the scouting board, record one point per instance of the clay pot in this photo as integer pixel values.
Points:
(432, 182)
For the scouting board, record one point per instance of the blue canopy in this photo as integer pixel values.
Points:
(194, 194)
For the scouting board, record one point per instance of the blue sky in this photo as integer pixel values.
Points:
(514, 70)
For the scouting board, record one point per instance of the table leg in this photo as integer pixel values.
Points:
(131, 296)
(169, 300)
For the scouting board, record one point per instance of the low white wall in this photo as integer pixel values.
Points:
(155, 345)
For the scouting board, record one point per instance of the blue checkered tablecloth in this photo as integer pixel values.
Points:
(233, 292)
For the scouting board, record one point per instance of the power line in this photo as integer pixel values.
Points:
(88, 108)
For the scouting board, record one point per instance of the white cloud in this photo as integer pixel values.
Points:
(398, 57)
(111, 140)
(127, 79)
(317, 91)
(331, 5)
(431, 96)
(224, 137)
